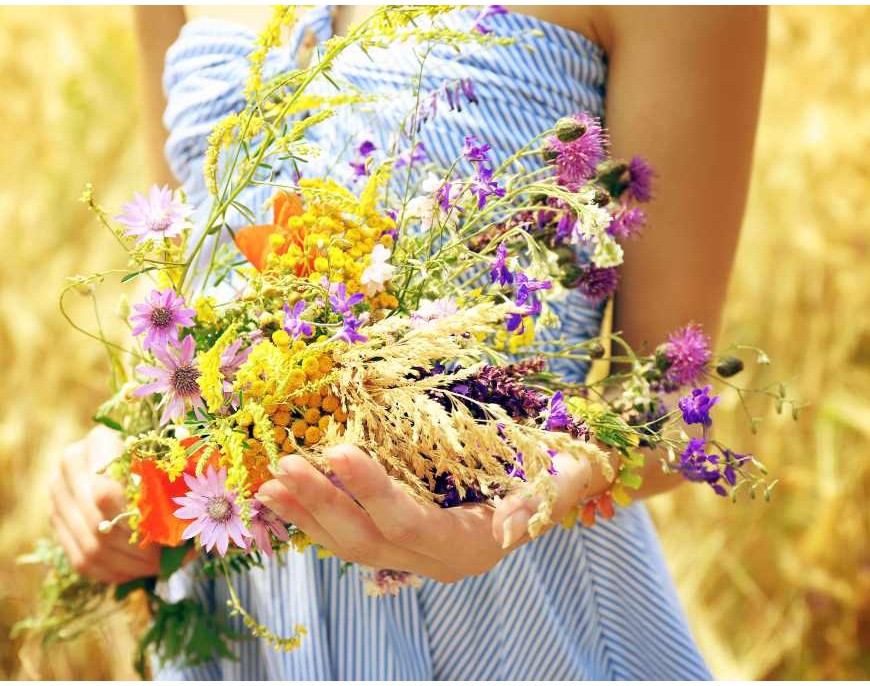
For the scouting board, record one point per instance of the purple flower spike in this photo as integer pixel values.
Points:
(499, 273)
(161, 215)
(696, 407)
(177, 380)
(159, 318)
(217, 516)
(688, 351)
(483, 15)
(295, 326)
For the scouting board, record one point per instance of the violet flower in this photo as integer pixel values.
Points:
(558, 417)
(484, 14)
(697, 465)
(293, 324)
(159, 318)
(340, 301)
(474, 153)
(159, 216)
(231, 359)
(640, 180)
(409, 157)
(597, 283)
(688, 352)
(177, 380)
(696, 406)
(499, 273)
(216, 515)
(264, 525)
(627, 223)
(527, 286)
(349, 332)
(484, 187)
(577, 160)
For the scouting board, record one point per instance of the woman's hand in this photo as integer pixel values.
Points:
(81, 499)
(389, 529)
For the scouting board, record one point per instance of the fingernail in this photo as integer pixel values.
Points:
(514, 528)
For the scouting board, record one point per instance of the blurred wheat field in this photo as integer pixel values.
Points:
(778, 590)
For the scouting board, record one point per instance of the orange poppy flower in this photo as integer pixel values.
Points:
(253, 241)
(158, 524)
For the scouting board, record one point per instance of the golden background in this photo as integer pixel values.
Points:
(779, 590)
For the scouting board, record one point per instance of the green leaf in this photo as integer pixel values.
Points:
(108, 421)
(133, 275)
(171, 559)
(125, 589)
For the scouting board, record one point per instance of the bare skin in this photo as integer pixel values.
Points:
(683, 91)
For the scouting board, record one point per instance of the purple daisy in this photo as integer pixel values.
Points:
(263, 523)
(159, 318)
(177, 380)
(696, 406)
(216, 514)
(640, 175)
(295, 326)
(688, 352)
(161, 215)
(597, 283)
(627, 223)
(576, 160)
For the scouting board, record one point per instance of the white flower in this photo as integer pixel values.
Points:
(430, 310)
(378, 272)
(425, 208)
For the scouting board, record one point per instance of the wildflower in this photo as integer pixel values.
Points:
(176, 380)
(340, 301)
(231, 359)
(483, 15)
(527, 286)
(696, 406)
(697, 465)
(474, 153)
(216, 514)
(381, 582)
(558, 417)
(688, 352)
(263, 523)
(496, 385)
(499, 272)
(254, 242)
(159, 318)
(361, 163)
(640, 175)
(293, 324)
(416, 154)
(597, 283)
(627, 223)
(432, 310)
(576, 160)
(349, 332)
(484, 187)
(379, 271)
(161, 215)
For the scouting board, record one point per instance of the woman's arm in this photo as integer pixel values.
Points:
(683, 91)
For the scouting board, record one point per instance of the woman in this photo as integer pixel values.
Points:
(678, 86)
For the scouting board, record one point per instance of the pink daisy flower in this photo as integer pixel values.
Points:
(159, 318)
(161, 215)
(263, 523)
(231, 359)
(216, 515)
(176, 380)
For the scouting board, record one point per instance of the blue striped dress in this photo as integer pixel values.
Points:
(593, 603)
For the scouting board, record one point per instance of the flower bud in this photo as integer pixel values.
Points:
(602, 197)
(729, 366)
(549, 154)
(662, 363)
(596, 350)
(569, 129)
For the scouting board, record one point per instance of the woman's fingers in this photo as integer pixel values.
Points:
(510, 521)
(278, 499)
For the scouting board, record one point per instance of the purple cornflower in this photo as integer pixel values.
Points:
(597, 283)
(499, 273)
(627, 223)
(409, 157)
(349, 332)
(263, 523)
(688, 351)
(340, 301)
(577, 160)
(231, 359)
(484, 14)
(696, 406)
(160, 316)
(177, 380)
(474, 153)
(527, 286)
(697, 465)
(640, 180)
(217, 516)
(161, 215)
(484, 187)
(295, 326)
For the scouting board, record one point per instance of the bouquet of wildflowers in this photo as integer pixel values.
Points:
(401, 313)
